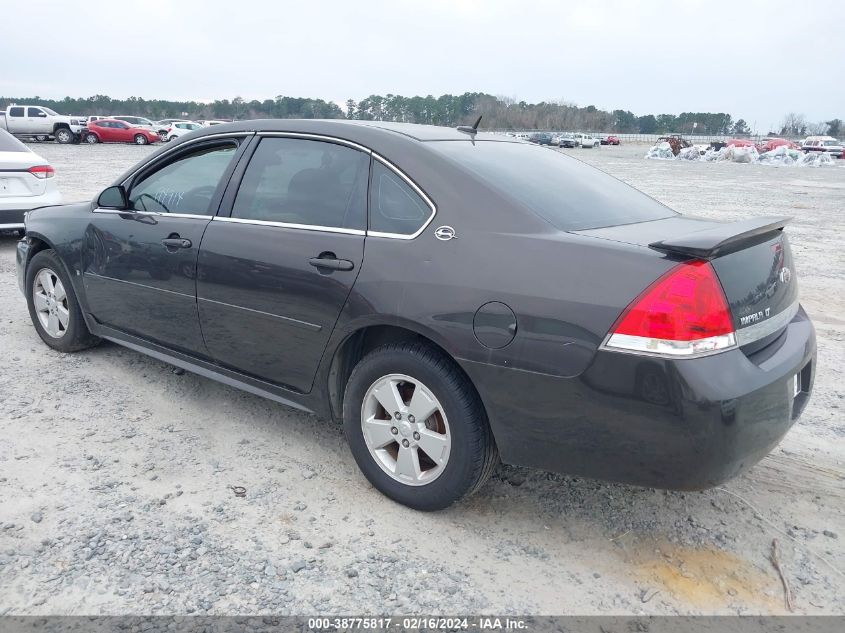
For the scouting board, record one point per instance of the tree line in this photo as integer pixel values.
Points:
(500, 113)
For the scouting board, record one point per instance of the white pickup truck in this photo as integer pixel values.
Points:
(41, 123)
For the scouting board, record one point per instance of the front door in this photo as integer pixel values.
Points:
(140, 263)
(273, 277)
(38, 121)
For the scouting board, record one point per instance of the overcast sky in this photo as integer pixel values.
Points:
(754, 59)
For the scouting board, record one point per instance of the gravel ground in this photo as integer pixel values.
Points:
(116, 473)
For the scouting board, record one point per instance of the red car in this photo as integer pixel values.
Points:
(114, 131)
(613, 140)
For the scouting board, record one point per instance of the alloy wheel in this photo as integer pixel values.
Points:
(50, 300)
(405, 429)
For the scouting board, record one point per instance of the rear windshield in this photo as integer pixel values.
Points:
(9, 143)
(569, 194)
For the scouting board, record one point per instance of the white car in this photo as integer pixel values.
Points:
(181, 127)
(210, 122)
(135, 121)
(26, 182)
(586, 140)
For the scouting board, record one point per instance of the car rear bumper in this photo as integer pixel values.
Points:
(678, 424)
(12, 209)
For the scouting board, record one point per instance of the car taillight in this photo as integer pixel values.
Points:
(42, 171)
(684, 313)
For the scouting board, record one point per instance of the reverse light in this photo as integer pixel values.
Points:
(684, 313)
(42, 171)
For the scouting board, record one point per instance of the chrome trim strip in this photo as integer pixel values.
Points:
(317, 137)
(663, 348)
(180, 146)
(135, 283)
(290, 225)
(771, 325)
(11, 226)
(420, 192)
(303, 324)
(189, 216)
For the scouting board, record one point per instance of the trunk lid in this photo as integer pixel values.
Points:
(752, 259)
(15, 179)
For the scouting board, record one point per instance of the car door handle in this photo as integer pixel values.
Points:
(176, 242)
(328, 261)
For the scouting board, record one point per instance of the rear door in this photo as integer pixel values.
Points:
(273, 276)
(140, 263)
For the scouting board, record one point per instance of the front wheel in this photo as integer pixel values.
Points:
(92, 139)
(53, 306)
(417, 427)
(140, 139)
(64, 136)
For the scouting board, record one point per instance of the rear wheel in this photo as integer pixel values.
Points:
(53, 306)
(64, 136)
(140, 139)
(416, 426)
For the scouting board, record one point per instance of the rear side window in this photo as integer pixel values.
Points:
(567, 193)
(16, 111)
(9, 143)
(395, 207)
(298, 181)
(185, 185)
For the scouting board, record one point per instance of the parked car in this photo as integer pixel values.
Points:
(116, 131)
(95, 117)
(586, 140)
(673, 353)
(41, 123)
(179, 128)
(135, 121)
(613, 140)
(826, 144)
(740, 142)
(26, 182)
(602, 138)
(540, 138)
(567, 140)
(210, 122)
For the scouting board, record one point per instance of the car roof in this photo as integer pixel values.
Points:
(359, 129)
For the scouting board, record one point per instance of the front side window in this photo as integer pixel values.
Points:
(185, 185)
(298, 181)
(394, 205)
(36, 112)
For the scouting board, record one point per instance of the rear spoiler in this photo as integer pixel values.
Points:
(723, 239)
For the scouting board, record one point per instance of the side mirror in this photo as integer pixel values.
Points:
(114, 198)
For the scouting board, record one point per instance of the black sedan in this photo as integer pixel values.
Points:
(452, 297)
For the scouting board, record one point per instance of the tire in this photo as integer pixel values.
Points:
(41, 138)
(140, 139)
(91, 139)
(459, 424)
(63, 136)
(75, 335)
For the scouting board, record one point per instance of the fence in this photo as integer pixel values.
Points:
(653, 138)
